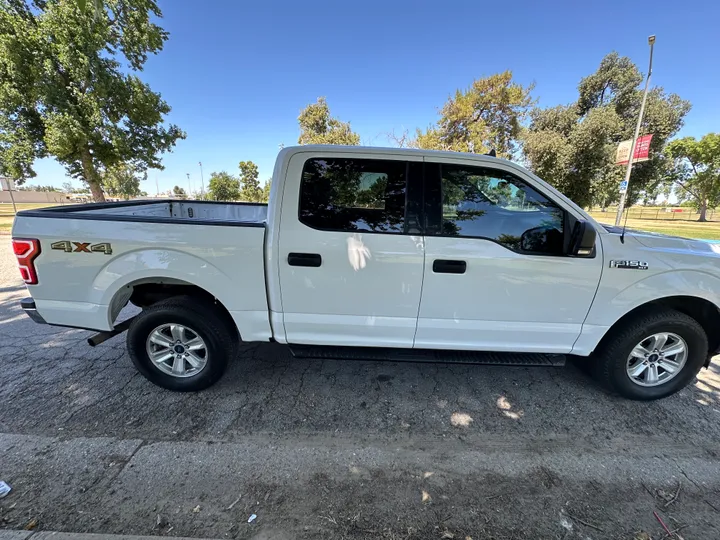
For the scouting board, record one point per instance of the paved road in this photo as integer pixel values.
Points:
(55, 535)
(338, 449)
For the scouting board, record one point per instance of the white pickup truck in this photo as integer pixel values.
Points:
(382, 254)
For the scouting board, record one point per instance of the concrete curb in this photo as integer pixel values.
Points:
(48, 535)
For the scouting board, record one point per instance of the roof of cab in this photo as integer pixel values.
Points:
(389, 151)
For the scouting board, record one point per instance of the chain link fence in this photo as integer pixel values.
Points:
(661, 213)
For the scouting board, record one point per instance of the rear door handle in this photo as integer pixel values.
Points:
(304, 259)
(441, 266)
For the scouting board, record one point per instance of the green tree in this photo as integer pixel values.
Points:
(266, 190)
(30, 187)
(318, 127)
(69, 89)
(250, 189)
(122, 181)
(223, 187)
(696, 171)
(486, 116)
(573, 146)
(96, 4)
(67, 187)
(179, 192)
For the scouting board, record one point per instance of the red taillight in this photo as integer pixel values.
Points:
(26, 250)
(21, 247)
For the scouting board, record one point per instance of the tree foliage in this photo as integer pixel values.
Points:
(69, 89)
(318, 127)
(695, 171)
(67, 187)
(250, 189)
(224, 186)
(266, 190)
(573, 146)
(179, 192)
(31, 187)
(122, 181)
(486, 116)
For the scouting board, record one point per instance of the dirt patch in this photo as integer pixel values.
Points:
(298, 489)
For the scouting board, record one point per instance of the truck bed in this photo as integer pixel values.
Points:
(92, 255)
(165, 211)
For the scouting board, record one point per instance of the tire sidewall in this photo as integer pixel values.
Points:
(198, 322)
(697, 351)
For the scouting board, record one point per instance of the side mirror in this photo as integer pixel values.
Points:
(582, 241)
(542, 240)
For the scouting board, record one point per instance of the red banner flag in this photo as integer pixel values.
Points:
(641, 153)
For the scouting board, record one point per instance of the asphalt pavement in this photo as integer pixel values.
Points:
(341, 449)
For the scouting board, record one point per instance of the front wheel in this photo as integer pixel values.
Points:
(181, 344)
(651, 356)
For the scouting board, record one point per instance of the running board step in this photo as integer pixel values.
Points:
(428, 355)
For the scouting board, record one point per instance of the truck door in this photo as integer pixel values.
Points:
(496, 277)
(350, 254)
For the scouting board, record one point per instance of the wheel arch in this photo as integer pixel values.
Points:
(158, 274)
(702, 310)
(145, 292)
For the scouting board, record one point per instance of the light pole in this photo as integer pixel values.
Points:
(202, 182)
(621, 206)
(189, 186)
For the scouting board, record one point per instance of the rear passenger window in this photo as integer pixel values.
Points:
(338, 194)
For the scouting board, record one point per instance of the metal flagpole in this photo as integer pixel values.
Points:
(9, 184)
(13, 201)
(621, 207)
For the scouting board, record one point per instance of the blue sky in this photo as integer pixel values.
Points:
(237, 74)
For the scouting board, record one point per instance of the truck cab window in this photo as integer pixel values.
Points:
(353, 195)
(488, 203)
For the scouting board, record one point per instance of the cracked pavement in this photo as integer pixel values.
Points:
(341, 449)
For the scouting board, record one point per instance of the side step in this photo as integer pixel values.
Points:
(428, 355)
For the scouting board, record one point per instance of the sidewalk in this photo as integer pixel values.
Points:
(45, 535)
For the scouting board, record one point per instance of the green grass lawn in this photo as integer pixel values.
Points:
(6, 209)
(7, 215)
(688, 229)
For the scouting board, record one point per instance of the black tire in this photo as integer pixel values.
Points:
(203, 319)
(610, 359)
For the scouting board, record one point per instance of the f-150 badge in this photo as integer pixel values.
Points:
(630, 265)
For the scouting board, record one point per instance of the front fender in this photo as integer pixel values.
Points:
(610, 305)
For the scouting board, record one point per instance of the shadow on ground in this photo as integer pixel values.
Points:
(53, 381)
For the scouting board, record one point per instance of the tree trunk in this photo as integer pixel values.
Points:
(97, 192)
(91, 176)
(703, 210)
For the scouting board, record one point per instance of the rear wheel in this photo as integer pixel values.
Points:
(181, 344)
(651, 356)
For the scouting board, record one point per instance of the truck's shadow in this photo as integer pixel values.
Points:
(51, 380)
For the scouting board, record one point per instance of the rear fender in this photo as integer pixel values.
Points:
(111, 285)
